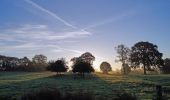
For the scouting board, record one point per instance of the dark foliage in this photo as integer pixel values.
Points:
(166, 67)
(147, 55)
(105, 67)
(23, 64)
(83, 64)
(85, 57)
(82, 67)
(125, 96)
(123, 57)
(6, 98)
(54, 94)
(39, 59)
(58, 66)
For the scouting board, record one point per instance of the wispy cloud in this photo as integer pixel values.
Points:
(111, 20)
(72, 34)
(50, 13)
(38, 32)
(32, 38)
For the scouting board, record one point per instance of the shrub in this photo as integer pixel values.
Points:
(82, 67)
(43, 94)
(58, 66)
(125, 96)
(54, 94)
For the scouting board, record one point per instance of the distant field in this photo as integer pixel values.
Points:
(16, 83)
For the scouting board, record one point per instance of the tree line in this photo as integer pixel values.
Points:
(143, 55)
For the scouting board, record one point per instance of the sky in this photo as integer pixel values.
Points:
(68, 28)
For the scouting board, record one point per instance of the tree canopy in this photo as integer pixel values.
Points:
(85, 57)
(58, 66)
(123, 56)
(41, 59)
(83, 64)
(82, 67)
(166, 67)
(145, 54)
(105, 67)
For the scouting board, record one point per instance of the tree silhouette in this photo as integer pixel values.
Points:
(126, 68)
(123, 56)
(41, 59)
(147, 55)
(24, 61)
(82, 67)
(83, 64)
(166, 67)
(105, 67)
(87, 57)
(58, 66)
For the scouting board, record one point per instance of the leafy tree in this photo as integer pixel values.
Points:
(39, 63)
(87, 57)
(83, 64)
(41, 59)
(58, 66)
(145, 54)
(123, 56)
(105, 67)
(126, 68)
(24, 61)
(82, 67)
(166, 67)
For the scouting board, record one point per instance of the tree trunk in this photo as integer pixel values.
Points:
(144, 69)
(124, 69)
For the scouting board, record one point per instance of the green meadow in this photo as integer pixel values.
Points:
(17, 83)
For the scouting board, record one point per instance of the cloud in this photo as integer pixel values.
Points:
(50, 13)
(31, 38)
(38, 32)
(111, 20)
(56, 16)
(74, 34)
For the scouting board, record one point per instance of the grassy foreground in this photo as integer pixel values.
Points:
(17, 83)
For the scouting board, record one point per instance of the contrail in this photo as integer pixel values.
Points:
(110, 20)
(50, 13)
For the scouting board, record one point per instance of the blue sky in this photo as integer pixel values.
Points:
(68, 28)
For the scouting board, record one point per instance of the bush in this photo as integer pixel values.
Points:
(82, 67)
(33, 67)
(58, 66)
(43, 94)
(5, 98)
(124, 96)
(54, 94)
(166, 68)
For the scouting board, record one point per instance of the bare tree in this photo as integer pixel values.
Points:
(123, 56)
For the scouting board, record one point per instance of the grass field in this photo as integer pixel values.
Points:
(16, 83)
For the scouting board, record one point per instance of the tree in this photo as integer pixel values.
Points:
(145, 54)
(58, 66)
(166, 67)
(24, 61)
(126, 68)
(105, 67)
(82, 67)
(41, 59)
(39, 63)
(83, 64)
(123, 56)
(87, 57)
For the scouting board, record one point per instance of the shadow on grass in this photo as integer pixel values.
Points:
(103, 87)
